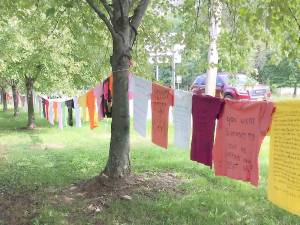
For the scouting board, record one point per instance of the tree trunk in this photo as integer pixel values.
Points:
(118, 164)
(123, 29)
(295, 90)
(29, 88)
(4, 100)
(16, 100)
(215, 22)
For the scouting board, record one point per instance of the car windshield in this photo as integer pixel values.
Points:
(223, 79)
(201, 80)
(241, 80)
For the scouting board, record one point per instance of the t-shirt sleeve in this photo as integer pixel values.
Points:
(266, 111)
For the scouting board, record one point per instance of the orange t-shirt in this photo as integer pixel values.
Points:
(161, 99)
(241, 129)
(55, 111)
(90, 102)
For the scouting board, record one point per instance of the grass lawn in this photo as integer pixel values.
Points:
(36, 167)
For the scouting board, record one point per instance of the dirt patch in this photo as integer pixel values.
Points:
(29, 129)
(46, 146)
(103, 186)
(85, 198)
(17, 209)
(3, 153)
(96, 194)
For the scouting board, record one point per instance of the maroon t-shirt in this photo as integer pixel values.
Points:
(205, 110)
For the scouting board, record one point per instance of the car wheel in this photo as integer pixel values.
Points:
(228, 96)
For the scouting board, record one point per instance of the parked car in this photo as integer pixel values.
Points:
(238, 86)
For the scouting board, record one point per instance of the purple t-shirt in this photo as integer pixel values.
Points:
(205, 110)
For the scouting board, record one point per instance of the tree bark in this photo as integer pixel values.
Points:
(118, 164)
(15, 100)
(295, 90)
(4, 100)
(215, 23)
(29, 88)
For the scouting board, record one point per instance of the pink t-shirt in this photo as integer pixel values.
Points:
(241, 129)
(98, 93)
(205, 111)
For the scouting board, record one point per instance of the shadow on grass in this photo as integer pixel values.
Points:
(9, 123)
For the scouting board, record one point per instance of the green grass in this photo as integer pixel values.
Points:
(37, 165)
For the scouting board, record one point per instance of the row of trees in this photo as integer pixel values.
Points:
(51, 45)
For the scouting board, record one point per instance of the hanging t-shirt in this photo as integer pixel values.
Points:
(130, 86)
(182, 111)
(51, 113)
(98, 93)
(106, 88)
(47, 109)
(142, 90)
(111, 84)
(77, 112)
(161, 100)
(22, 100)
(41, 107)
(107, 97)
(35, 102)
(60, 115)
(82, 104)
(241, 129)
(70, 103)
(90, 101)
(55, 111)
(26, 104)
(284, 157)
(44, 107)
(205, 111)
(70, 106)
(65, 114)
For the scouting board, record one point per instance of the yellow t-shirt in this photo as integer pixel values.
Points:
(82, 104)
(284, 158)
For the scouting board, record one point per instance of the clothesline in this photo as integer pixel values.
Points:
(234, 150)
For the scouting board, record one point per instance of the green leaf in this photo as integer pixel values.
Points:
(50, 12)
(69, 4)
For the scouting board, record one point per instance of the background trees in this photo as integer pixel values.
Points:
(35, 52)
(248, 29)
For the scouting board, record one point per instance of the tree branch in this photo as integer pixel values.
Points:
(55, 26)
(102, 17)
(296, 20)
(107, 8)
(198, 13)
(138, 14)
(121, 9)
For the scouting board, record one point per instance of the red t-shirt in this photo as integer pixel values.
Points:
(205, 110)
(241, 128)
(47, 109)
(161, 99)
